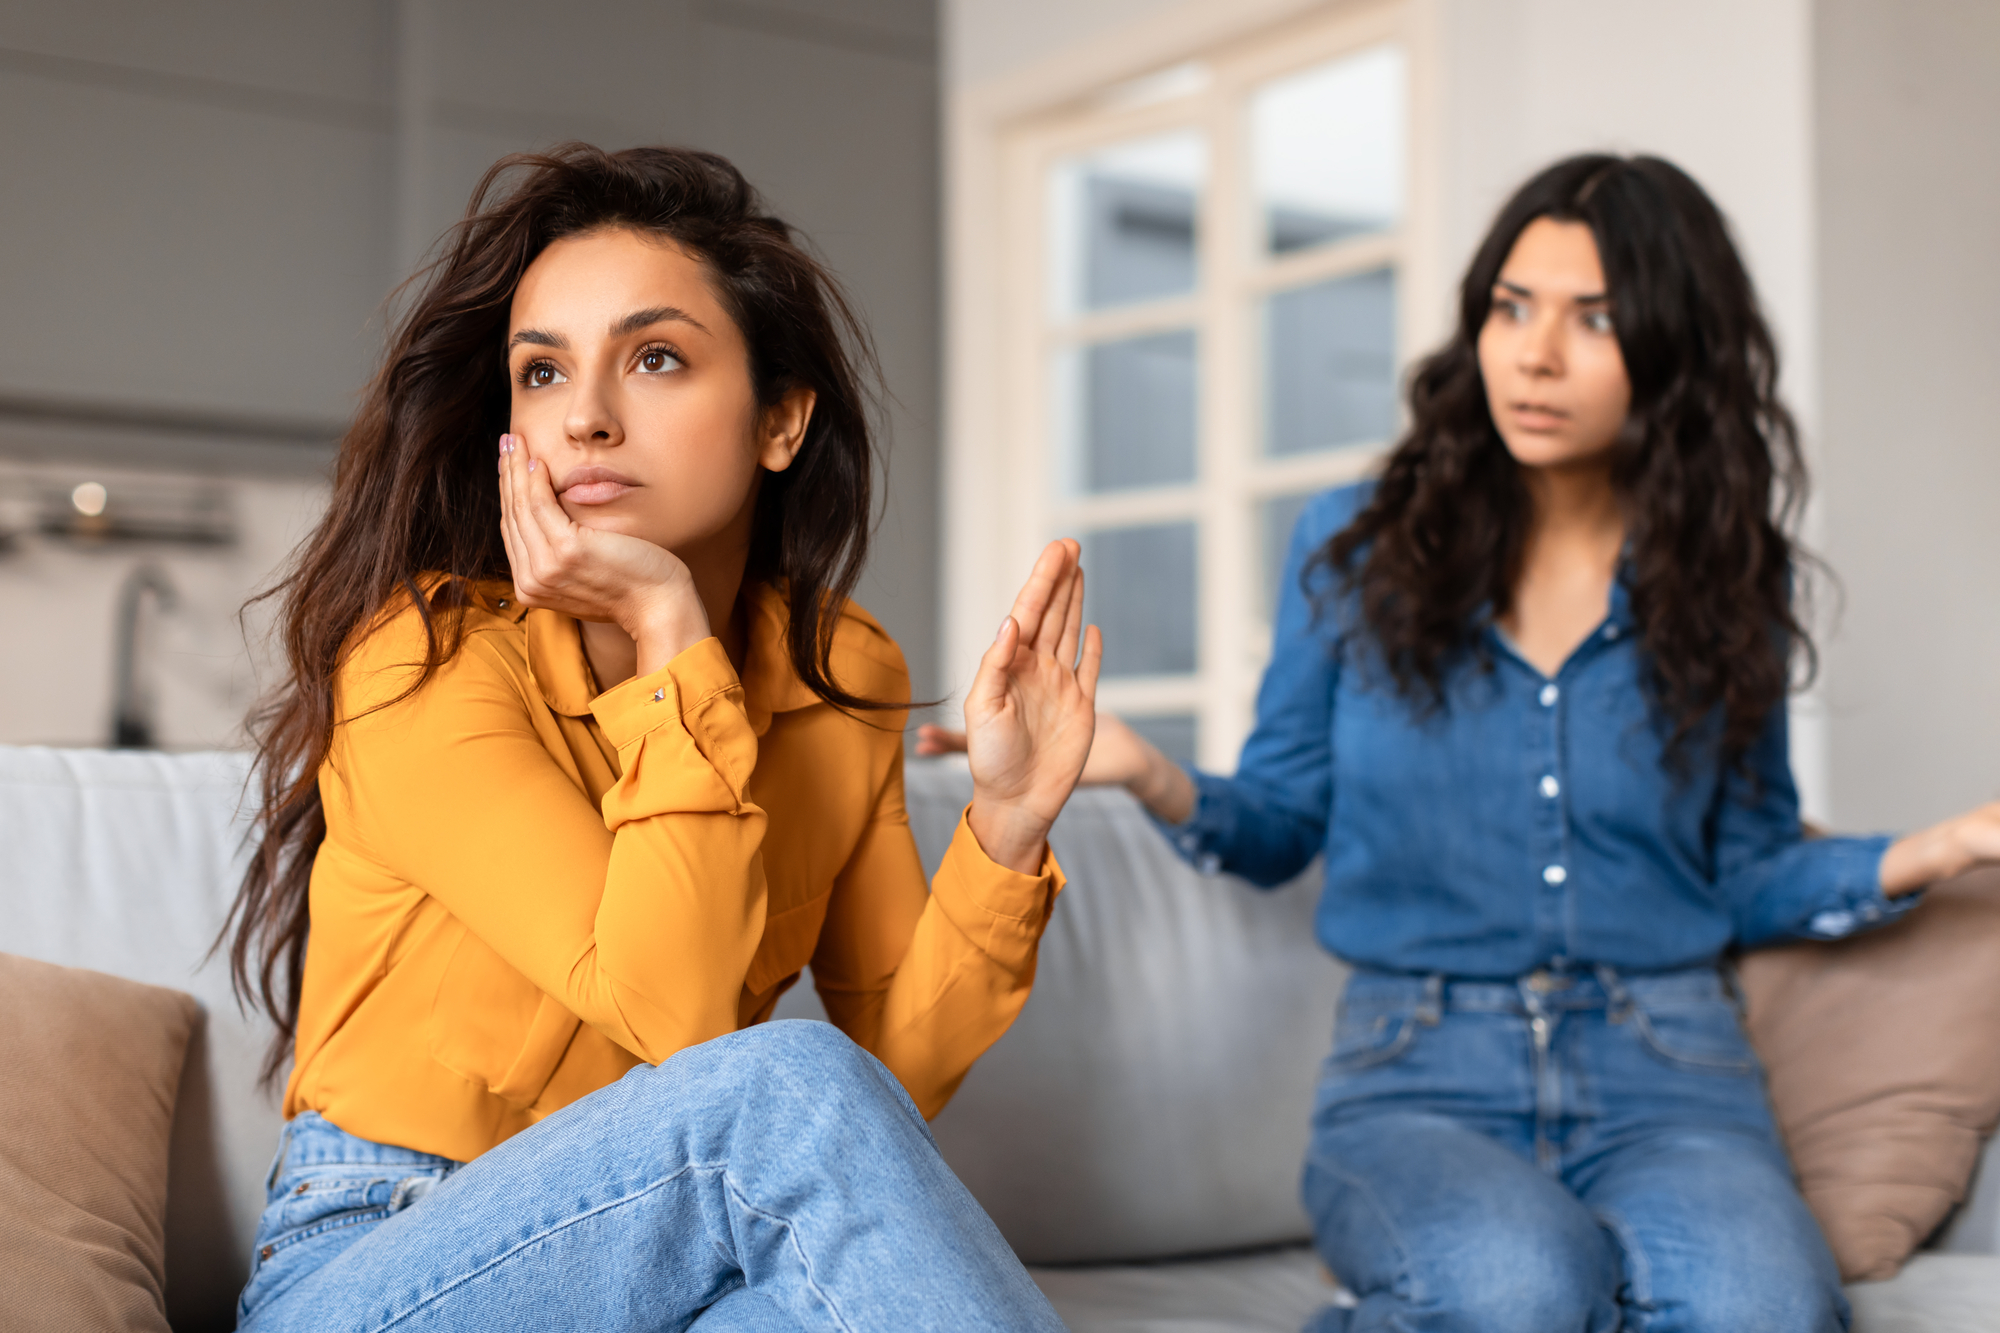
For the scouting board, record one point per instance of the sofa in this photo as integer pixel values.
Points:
(1136, 1135)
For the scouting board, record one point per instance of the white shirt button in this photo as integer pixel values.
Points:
(1550, 787)
(1555, 874)
(1549, 695)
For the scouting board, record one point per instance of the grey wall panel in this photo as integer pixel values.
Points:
(308, 49)
(849, 154)
(178, 253)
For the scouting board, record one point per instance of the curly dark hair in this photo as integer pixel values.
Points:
(1707, 466)
(414, 493)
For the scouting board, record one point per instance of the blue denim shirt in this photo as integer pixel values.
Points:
(1530, 822)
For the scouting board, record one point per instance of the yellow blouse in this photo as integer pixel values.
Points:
(527, 887)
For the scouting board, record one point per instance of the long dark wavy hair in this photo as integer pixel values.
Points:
(1707, 467)
(415, 494)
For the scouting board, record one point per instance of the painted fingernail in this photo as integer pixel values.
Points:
(1001, 632)
(531, 464)
(503, 443)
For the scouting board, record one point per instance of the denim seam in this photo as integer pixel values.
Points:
(1405, 1269)
(1638, 1269)
(569, 1222)
(791, 1235)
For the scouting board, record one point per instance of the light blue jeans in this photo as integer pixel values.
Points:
(775, 1179)
(1561, 1154)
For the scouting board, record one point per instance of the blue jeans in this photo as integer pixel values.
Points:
(1556, 1155)
(774, 1179)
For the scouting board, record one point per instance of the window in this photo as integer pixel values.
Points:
(1202, 324)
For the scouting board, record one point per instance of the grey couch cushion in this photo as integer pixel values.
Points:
(1275, 1292)
(1152, 1098)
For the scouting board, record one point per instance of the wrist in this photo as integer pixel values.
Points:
(665, 624)
(1010, 835)
(1163, 787)
(1919, 859)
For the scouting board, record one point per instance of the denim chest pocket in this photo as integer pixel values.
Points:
(1364, 1038)
(1704, 1036)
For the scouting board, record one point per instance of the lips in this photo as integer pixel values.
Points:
(595, 485)
(1539, 416)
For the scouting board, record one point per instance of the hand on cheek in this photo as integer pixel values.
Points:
(559, 565)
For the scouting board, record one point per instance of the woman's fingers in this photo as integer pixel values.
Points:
(1093, 659)
(935, 740)
(1072, 625)
(1047, 636)
(1032, 602)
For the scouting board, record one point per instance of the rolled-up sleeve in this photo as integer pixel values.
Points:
(1780, 884)
(926, 982)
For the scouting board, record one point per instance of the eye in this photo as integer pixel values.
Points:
(1598, 321)
(1507, 308)
(540, 375)
(657, 359)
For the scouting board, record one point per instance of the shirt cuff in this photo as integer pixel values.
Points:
(1198, 836)
(1857, 901)
(1002, 911)
(683, 737)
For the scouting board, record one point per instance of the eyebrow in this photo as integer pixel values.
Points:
(632, 323)
(538, 338)
(1593, 298)
(659, 314)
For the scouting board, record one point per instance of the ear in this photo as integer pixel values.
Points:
(783, 428)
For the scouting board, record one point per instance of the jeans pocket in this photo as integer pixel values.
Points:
(1368, 1038)
(316, 1213)
(1704, 1036)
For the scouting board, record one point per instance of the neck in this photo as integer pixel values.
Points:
(1576, 503)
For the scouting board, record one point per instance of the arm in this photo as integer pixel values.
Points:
(643, 920)
(1778, 884)
(926, 982)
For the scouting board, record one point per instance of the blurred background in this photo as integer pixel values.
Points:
(1147, 272)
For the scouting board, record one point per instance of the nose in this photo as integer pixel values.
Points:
(1540, 352)
(591, 417)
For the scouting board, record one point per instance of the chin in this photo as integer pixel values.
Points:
(1544, 452)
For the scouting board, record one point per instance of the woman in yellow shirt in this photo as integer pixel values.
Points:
(575, 771)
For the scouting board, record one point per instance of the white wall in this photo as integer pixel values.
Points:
(1908, 105)
(207, 203)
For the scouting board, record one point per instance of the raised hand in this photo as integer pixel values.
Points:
(589, 573)
(1030, 713)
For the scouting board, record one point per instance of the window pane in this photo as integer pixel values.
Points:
(1275, 524)
(1327, 150)
(1330, 364)
(1122, 223)
(1126, 412)
(1173, 733)
(1139, 591)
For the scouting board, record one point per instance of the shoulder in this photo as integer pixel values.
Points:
(385, 657)
(865, 659)
(1330, 512)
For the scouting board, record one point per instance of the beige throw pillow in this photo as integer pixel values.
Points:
(1883, 1052)
(89, 1068)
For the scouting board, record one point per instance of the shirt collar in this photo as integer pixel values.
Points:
(562, 673)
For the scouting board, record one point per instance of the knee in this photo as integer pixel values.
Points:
(1769, 1297)
(1507, 1280)
(813, 1063)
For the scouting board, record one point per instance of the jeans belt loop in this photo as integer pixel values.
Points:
(1430, 1011)
(1615, 993)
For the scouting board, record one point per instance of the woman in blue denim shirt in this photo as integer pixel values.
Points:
(1528, 698)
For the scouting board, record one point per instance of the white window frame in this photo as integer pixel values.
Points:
(1003, 497)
